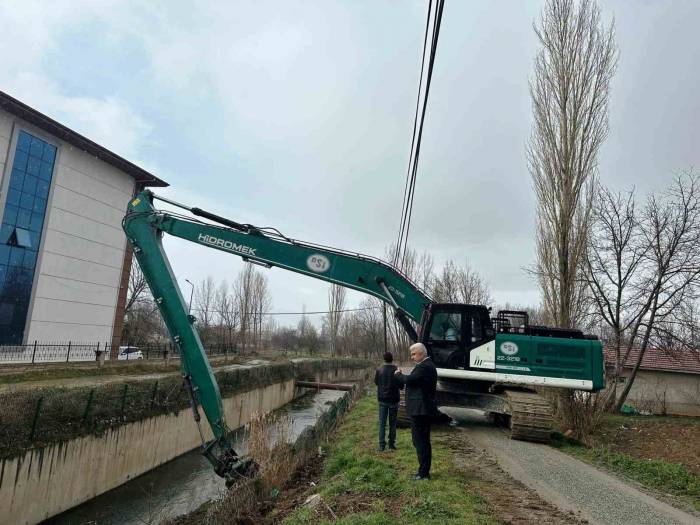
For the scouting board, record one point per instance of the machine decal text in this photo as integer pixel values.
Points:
(227, 245)
(397, 292)
(509, 348)
(318, 263)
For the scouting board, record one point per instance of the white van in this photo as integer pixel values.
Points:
(127, 353)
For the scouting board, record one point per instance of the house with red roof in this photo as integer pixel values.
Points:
(668, 382)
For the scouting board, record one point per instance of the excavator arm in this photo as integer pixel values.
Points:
(145, 226)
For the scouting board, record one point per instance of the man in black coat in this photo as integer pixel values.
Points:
(420, 405)
(388, 396)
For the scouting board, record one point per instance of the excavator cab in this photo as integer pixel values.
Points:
(450, 331)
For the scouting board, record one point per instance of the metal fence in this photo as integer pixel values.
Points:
(39, 353)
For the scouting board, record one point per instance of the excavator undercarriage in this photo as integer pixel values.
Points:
(526, 413)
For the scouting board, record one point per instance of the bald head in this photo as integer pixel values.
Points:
(418, 352)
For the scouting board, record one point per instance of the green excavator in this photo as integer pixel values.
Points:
(490, 364)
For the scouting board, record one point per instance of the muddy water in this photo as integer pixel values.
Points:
(184, 483)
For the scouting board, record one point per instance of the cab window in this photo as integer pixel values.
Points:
(446, 327)
(477, 332)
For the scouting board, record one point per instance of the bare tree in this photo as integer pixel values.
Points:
(243, 290)
(138, 287)
(204, 298)
(143, 323)
(444, 285)
(644, 273)
(309, 339)
(229, 315)
(569, 91)
(670, 228)
(369, 327)
(460, 285)
(285, 338)
(536, 314)
(336, 303)
(419, 270)
(260, 303)
(613, 262)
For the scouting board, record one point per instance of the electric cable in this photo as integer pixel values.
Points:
(413, 138)
(419, 119)
(216, 311)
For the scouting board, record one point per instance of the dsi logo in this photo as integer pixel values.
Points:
(509, 348)
(318, 263)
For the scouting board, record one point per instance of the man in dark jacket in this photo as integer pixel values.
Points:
(388, 396)
(420, 405)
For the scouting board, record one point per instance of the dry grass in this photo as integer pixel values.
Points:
(269, 445)
(579, 414)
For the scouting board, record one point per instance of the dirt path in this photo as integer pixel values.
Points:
(568, 483)
(510, 500)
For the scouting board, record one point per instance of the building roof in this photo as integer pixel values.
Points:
(658, 359)
(21, 110)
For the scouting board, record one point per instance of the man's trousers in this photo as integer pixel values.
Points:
(420, 432)
(387, 411)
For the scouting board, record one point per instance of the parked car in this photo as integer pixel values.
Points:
(127, 353)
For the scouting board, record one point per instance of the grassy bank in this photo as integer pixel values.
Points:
(362, 486)
(669, 478)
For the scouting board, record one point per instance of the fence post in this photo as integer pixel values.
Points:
(153, 395)
(99, 355)
(36, 417)
(126, 388)
(68, 353)
(88, 405)
(34, 352)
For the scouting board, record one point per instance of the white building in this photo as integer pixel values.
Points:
(64, 262)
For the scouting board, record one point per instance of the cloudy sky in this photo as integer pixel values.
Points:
(298, 115)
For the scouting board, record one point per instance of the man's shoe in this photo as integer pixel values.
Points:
(392, 447)
(380, 448)
(418, 477)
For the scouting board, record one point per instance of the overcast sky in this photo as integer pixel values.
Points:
(298, 115)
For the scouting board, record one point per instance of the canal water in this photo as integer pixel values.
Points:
(185, 483)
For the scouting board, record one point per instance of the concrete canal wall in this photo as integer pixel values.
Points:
(43, 482)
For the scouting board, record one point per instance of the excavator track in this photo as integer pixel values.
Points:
(527, 414)
(530, 416)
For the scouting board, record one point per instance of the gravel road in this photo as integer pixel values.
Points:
(567, 482)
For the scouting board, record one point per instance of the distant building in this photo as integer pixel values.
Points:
(666, 383)
(64, 262)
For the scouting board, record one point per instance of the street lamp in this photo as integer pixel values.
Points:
(189, 308)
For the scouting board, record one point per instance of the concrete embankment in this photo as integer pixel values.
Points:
(42, 482)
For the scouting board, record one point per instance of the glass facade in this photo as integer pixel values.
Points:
(20, 233)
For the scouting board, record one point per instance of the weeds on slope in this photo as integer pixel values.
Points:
(362, 486)
(269, 445)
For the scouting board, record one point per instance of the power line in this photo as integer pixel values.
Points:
(197, 309)
(419, 119)
(413, 140)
